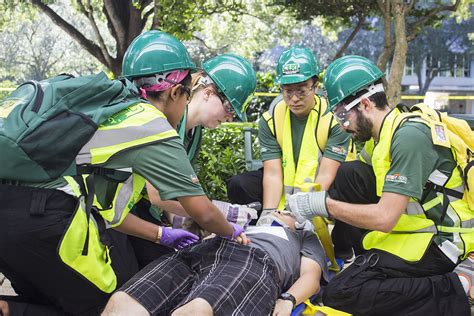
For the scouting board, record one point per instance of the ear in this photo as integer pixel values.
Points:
(207, 92)
(175, 92)
(365, 104)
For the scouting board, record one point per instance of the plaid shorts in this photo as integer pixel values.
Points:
(233, 279)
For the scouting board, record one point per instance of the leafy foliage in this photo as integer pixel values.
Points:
(259, 104)
(221, 156)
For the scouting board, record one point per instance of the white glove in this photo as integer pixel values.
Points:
(235, 213)
(306, 225)
(306, 205)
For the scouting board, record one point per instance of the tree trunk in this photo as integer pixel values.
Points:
(387, 51)
(399, 11)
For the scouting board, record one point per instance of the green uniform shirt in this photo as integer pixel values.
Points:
(191, 140)
(336, 146)
(414, 158)
(165, 165)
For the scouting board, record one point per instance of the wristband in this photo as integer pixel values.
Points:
(158, 235)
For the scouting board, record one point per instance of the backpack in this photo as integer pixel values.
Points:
(460, 139)
(53, 119)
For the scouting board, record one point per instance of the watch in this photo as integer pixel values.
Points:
(288, 297)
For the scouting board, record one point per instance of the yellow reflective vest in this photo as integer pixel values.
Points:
(416, 228)
(314, 141)
(81, 248)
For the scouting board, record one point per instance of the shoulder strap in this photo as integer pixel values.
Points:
(325, 123)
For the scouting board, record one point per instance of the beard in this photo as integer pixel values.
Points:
(364, 128)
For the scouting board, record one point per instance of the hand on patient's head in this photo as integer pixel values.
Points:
(276, 217)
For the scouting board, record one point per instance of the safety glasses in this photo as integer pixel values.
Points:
(225, 103)
(300, 93)
(342, 110)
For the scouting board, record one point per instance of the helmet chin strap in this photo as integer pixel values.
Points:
(346, 123)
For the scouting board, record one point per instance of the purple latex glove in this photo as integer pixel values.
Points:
(177, 238)
(237, 231)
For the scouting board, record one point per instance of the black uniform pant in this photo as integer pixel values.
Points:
(379, 283)
(354, 183)
(245, 188)
(32, 222)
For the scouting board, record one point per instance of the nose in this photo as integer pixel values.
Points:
(294, 98)
(229, 117)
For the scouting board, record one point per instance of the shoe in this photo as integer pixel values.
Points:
(465, 272)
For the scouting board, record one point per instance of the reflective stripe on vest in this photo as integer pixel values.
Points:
(414, 231)
(128, 193)
(146, 125)
(314, 141)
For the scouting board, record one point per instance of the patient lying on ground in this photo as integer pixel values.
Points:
(221, 277)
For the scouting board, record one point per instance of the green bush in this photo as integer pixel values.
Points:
(221, 157)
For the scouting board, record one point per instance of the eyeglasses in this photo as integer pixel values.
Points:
(343, 109)
(300, 93)
(225, 103)
(341, 113)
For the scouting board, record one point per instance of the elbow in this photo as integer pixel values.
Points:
(387, 224)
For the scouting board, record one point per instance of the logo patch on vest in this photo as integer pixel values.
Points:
(338, 150)
(438, 133)
(396, 177)
(290, 69)
(121, 116)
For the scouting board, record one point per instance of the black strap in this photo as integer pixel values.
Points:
(89, 202)
(112, 175)
(88, 191)
(470, 164)
(446, 191)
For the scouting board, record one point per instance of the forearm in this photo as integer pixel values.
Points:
(308, 282)
(381, 216)
(327, 172)
(170, 206)
(306, 286)
(272, 190)
(135, 226)
(173, 207)
(366, 216)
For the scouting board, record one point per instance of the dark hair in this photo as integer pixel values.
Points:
(380, 98)
(155, 95)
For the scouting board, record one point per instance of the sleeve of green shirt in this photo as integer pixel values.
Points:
(413, 160)
(337, 145)
(166, 166)
(269, 147)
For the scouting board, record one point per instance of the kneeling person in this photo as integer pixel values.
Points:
(280, 268)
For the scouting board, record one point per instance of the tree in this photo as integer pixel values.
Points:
(403, 21)
(335, 15)
(440, 49)
(115, 23)
(32, 48)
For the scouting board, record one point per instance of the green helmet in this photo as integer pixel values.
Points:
(235, 78)
(295, 65)
(348, 75)
(155, 52)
